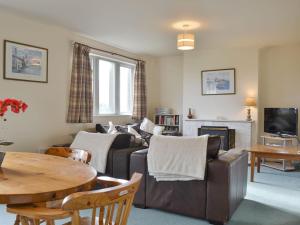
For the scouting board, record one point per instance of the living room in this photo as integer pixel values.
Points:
(257, 43)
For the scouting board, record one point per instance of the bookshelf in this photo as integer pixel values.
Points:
(171, 122)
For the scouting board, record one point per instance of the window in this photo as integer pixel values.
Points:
(113, 86)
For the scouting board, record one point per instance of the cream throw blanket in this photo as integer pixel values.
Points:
(97, 144)
(177, 158)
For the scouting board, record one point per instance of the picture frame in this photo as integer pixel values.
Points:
(218, 82)
(25, 62)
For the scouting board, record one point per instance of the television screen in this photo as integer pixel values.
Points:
(281, 121)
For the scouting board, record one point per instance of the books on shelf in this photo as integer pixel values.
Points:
(171, 122)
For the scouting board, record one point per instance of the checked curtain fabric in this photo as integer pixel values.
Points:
(81, 91)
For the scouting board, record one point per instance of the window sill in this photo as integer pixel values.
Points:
(111, 115)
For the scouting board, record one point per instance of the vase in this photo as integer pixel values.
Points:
(190, 115)
(3, 141)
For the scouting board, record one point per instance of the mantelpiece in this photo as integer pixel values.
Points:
(245, 130)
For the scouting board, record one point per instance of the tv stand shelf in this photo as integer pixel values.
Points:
(283, 165)
(284, 140)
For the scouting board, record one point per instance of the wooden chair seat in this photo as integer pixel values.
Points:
(114, 203)
(38, 212)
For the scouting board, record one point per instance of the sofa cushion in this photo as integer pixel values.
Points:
(158, 130)
(147, 126)
(184, 197)
(100, 128)
(213, 147)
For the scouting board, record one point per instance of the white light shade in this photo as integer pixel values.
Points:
(185, 41)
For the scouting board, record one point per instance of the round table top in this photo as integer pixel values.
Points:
(33, 177)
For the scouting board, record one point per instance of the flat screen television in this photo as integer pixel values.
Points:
(281, 121)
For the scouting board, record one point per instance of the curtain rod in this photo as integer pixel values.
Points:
(109, 52)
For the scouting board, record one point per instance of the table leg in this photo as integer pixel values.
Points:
(24, 220)
(17, 221)
(258, 164)
(252, 166)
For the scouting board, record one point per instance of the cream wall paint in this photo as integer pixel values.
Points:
(279, 84)
(153, 80)
(170, 82)
(44, 122)
(244, 60)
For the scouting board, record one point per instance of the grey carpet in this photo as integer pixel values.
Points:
(274, 199)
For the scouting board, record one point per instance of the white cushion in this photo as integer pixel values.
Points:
(147, 126)
(112, 129)
(133, 131)
(96, 143)
(158, 130)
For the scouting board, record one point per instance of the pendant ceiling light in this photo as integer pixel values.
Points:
(185, 41)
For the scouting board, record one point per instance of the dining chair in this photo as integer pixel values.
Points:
(80, 155)
(109, 206)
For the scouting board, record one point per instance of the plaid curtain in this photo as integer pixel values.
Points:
(81, 92)
(139, 96)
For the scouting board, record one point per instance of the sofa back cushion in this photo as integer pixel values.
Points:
(100, 128)
(213, 147)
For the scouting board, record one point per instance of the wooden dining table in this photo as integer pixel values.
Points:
(33, 178)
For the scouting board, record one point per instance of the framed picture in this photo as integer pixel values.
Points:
(25, 62)
(218, 82)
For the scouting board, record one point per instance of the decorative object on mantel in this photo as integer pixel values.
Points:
(249, 102)
(25, 62)
(190, 115)
(15, 106)
(218, 82)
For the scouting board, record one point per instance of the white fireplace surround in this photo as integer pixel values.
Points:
(244, 130)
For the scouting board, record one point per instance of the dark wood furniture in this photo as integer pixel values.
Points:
(114, 204)
(263, 151)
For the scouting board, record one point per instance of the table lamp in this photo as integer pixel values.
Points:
(249, 102)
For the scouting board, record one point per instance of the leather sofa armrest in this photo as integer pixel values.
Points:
(226, 185)
(138, 163)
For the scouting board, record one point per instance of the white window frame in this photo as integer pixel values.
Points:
(95, 67)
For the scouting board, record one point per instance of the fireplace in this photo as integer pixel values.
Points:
(227, 135)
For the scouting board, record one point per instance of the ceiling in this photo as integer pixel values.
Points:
(146, 26)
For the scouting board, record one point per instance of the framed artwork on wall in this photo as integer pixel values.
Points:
(25, 62)
(218, 82)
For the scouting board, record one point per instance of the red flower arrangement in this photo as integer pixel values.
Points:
(16, 106)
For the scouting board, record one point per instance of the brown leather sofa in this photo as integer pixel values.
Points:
(118, 158)
(214, 199)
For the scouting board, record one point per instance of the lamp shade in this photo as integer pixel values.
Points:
(250, 101)
(185, 41)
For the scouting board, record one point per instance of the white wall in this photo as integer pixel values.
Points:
(279, 84)
(170, 82)
(44, 122)
(245, 61)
